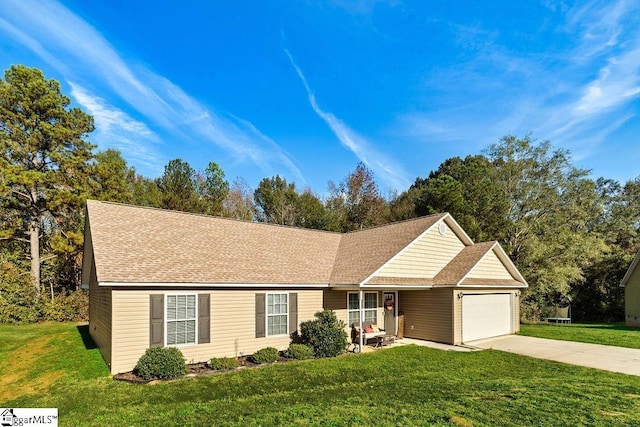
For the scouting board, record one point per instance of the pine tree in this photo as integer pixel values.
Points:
(43, 158)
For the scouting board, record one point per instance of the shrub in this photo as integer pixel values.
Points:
(300, 351)
(325, 334)
(161, 362)
(222, 363)
(19, 303)
(265, 355)
(67, 307)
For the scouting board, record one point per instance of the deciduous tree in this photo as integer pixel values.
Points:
(239, 202)
(356, 203)
(550, 207)
(276, 201)
(311, 211)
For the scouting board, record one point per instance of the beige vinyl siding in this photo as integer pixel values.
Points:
(87, 255)
(426, 256)
(457, 310)
(457, 318)
(100, 315)
(516, 311)
(632, 298)
(427, 314)
(336, 300)
(490, 267)
(232, 320)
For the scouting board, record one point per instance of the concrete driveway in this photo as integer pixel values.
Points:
(608, 358)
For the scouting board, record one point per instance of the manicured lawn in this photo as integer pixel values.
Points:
(606, 333)
(33, 357)
(399, 386)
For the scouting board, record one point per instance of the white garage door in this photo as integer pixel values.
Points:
(485, 316)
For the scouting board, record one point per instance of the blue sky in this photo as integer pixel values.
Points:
(307, 89)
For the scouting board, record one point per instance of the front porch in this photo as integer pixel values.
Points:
(399, 311)
(421, 343)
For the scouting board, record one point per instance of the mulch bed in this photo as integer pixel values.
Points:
(197, 370)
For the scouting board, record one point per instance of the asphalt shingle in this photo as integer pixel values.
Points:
(133, 244)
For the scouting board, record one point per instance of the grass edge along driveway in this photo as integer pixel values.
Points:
(399, 386)
(616, 334)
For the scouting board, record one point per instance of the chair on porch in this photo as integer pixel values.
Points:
(371, 332)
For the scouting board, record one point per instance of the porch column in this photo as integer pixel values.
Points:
(361, 311)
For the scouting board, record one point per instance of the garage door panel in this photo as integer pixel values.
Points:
(485, 316)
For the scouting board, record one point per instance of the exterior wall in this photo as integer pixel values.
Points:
(632, 299)
(428, 314)
(490, 267)
(232, 320)
(426, 256)
(336, 300)
(457, 310)
(100, 315)
(516, 309)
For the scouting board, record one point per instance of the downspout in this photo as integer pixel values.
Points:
(361, 309)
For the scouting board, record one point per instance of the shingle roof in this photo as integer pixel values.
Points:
(458, 267)
(362, 252)
(133, 244)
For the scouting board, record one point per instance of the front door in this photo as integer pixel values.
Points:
(390, 309)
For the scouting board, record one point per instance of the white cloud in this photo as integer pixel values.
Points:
(618, 83)
(59, 36)
(116, 129)
(384, 167)
(363, 7)
(576, 95)
(599, 25)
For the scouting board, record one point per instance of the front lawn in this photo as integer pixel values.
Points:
(398, 386)
(603, 333)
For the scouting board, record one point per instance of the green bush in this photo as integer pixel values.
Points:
(161, 362)
(300, 351)
(325, 334)
(265, 355)
(19, 302)
(222, 363)
(67, 307)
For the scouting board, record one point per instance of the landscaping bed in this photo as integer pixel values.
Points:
(200, 369)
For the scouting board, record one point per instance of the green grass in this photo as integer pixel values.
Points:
(399, 386)
(33, 357)
(606, 333)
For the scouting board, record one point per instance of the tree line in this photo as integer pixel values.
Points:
(571, 236)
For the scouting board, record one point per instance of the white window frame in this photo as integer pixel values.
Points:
(364, 309)
(166, 321)
(266, 314)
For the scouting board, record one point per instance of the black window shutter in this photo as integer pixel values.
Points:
(260, 316)
(204, 329)
(293, 312)
(156, 320)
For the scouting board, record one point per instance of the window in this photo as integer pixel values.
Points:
(370, 307)
(277, 314)
(181, 319)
